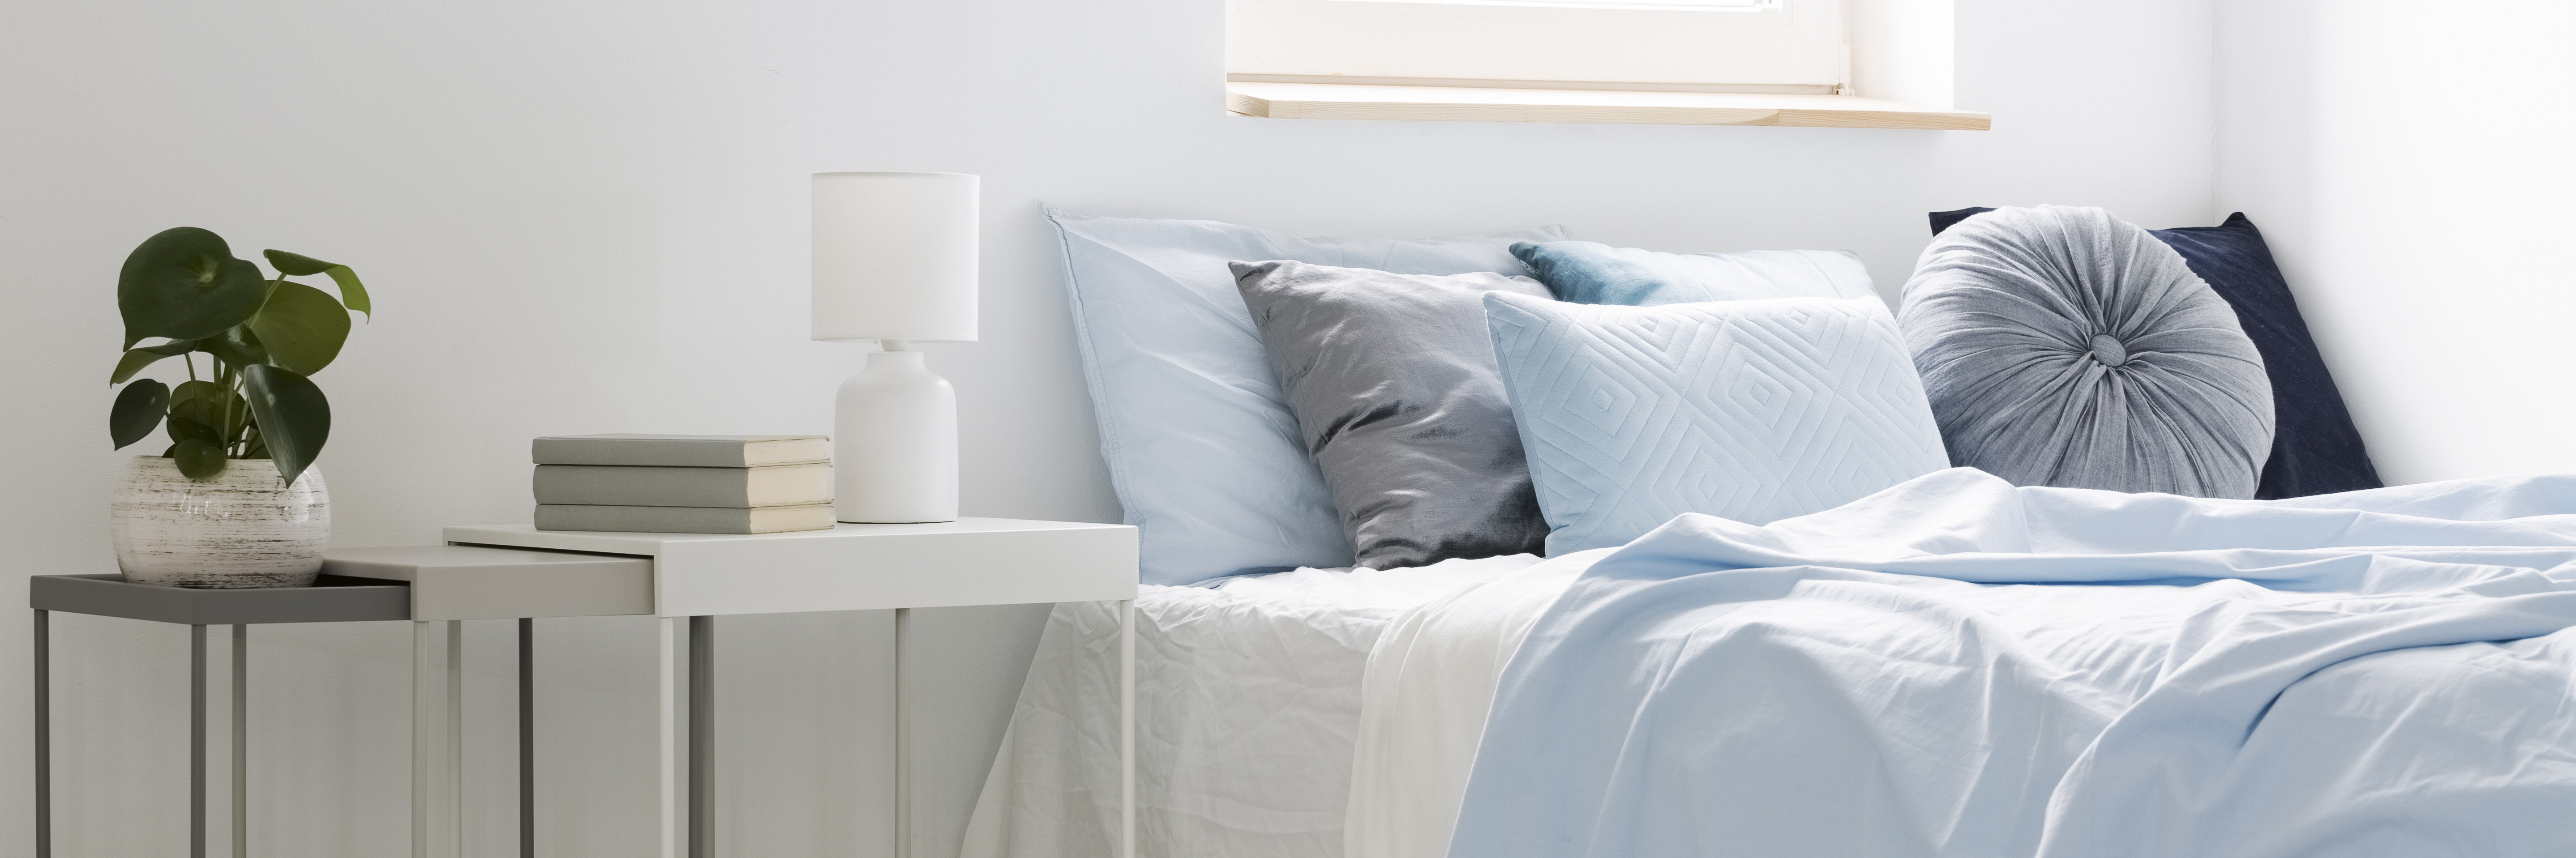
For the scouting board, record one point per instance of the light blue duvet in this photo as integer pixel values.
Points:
(1958, 667)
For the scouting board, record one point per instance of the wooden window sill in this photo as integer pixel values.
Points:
(1465, 104)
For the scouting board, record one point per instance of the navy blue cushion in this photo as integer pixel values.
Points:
(2315, 449)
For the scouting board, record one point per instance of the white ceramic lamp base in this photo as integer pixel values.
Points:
(894, 443)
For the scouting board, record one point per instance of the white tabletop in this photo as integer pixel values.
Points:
(970, 561)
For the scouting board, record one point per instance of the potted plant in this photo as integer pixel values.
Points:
(233, 501)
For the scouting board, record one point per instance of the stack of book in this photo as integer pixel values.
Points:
(684, 483)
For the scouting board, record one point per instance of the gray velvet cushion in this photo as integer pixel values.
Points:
(2063, 347)
(1393, 382)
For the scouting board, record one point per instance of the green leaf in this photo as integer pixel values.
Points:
(294, 419)
(205, 402)
(296, 264)
(198, 460)
(185, 284)
(136, 359)
(237, 346)
(138, 409)
(184, 429)
(352, 293)
(302, 328)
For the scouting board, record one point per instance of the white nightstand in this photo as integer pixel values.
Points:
(853, 567)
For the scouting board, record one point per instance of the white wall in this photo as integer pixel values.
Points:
(589, 216)
(2411, 167)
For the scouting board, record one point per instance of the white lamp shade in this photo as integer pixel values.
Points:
(894, 256)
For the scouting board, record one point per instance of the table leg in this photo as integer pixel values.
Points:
(527, 738)
(1127, 728)
(241, 740)
(702, 737)
(667, 699)
(902, 741)
(44, 736)
(197, 741)
(456, 737)
(422, 673)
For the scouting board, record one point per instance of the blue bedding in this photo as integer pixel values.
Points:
(1959, 667)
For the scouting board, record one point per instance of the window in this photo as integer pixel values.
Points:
(1680, 62)
(1765, 46)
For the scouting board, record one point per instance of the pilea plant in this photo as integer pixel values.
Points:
(263, 339)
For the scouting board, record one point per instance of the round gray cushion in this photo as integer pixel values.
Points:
(2063, 347)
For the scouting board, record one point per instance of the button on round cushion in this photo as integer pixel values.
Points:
(2063, 347)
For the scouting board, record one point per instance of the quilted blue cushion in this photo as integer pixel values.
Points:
(1749, 410)
(1202, 449)
(1589, 273)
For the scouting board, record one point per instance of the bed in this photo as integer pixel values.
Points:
(1855, 649)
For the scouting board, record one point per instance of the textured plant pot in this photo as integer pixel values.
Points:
(241, 529)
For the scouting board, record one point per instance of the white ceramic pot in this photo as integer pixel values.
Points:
(241, 529)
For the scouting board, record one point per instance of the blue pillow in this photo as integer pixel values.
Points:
(1588, 273)
(1749, 410)
(2315, 448)
(1202, 449)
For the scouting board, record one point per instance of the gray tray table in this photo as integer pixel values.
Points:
(425, 585)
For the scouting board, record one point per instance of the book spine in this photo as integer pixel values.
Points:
(656, 452)
(614, 485)
(643, 519)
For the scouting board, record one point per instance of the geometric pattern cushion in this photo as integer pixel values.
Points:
(2064, 347)
(1748, 410)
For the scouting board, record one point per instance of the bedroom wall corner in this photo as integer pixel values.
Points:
(2408, 165)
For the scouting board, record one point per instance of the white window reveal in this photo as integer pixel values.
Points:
(1728, 62)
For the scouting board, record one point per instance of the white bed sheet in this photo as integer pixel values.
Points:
(1248, 707)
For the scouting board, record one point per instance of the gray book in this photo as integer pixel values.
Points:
(684, 519)
(681, 451)
(626, 485)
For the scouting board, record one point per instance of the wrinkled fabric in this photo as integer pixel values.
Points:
(1248, 698)
(1392, 379)
(1958, 667)
(2063, 347)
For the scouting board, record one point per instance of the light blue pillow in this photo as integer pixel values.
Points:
(1588, 273)
(1201, 446)
(1749, 410)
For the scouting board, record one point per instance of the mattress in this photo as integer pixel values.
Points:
(1262, 674)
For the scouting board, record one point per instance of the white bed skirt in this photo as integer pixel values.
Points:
(1249, 711)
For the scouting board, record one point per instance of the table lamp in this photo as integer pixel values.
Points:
(894, 262)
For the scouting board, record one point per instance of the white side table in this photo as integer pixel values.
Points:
(853, 567)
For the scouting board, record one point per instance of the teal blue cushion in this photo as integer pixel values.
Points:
(1749, 410)
(1589, 273)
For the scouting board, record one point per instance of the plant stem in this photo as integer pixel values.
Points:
(189, 358)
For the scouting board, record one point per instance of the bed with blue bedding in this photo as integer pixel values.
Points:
(1960, 667)
(1772, 619)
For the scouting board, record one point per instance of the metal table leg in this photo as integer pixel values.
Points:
(667, 700)
(197, 741)
(421, 677)
(1127, 728)
(241, 740)
(702, 737)
(527, 739)
(44, 736)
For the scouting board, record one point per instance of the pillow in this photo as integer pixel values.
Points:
(2063, 347)
(1392, 379)
(2315, 448)
(1587, 273)
(1201, 448)
(1748, 410)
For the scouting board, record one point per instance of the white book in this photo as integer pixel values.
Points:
(685, 519)
(681, 451)
(630, 485)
